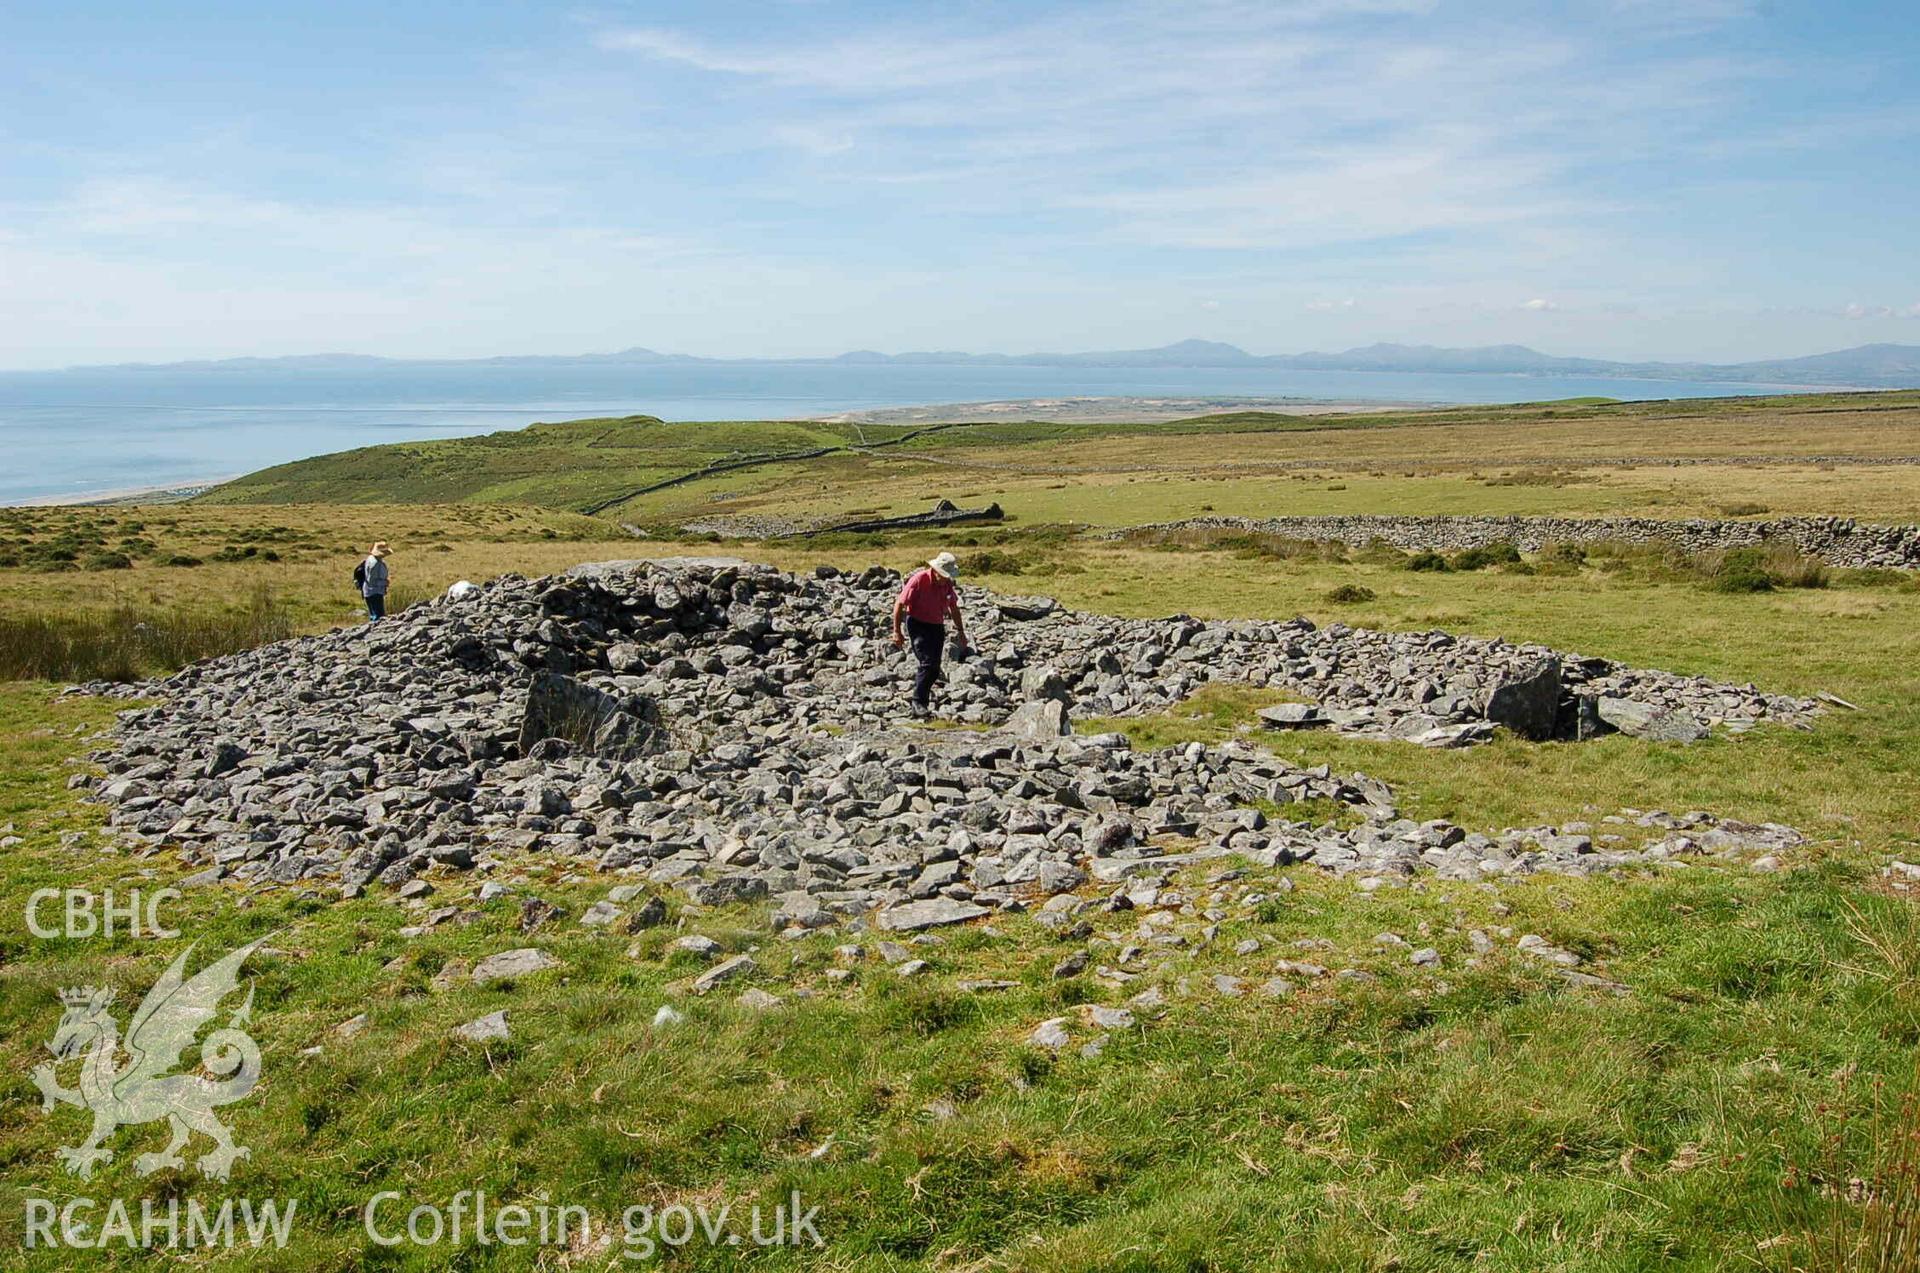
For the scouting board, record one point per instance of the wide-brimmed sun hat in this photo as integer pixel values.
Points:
(946, 566)
(380, 548)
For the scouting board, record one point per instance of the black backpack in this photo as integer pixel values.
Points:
(360, 574)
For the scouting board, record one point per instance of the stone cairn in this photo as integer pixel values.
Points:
(734, 732)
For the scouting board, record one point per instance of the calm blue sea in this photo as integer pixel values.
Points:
(78, 433)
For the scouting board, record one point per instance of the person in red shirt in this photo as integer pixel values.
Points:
(927, 601)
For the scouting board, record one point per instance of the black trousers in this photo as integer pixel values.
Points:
(928, 640)
(376, 606)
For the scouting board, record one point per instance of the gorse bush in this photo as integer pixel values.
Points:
(1495, 554)
(1378, 552)
(126, 644)
(1742, 570)
(1348, 593)
(992, 561)
(1752, 568)
(1760, 568)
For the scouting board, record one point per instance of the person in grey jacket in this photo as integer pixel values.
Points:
(373, 581)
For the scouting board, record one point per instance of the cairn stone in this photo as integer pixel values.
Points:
(592, 720)
(734, 734)
(1527, 701)
(1650, 721)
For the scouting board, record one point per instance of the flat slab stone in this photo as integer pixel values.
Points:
(1051, 1033)
(1652, 722)
(491, 1026)
(932, 913)
(1292, 716)
(513, 963)
(738, 968)
(1026, 609)
(1113, 870)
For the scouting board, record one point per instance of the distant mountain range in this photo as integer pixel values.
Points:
(1865, 366)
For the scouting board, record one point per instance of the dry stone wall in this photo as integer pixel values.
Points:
(1838, 541)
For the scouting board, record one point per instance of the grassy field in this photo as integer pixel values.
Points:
(1490, 1117)
(1739, 1108)
(1451, 460)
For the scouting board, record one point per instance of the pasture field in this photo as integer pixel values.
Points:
(1617, 457)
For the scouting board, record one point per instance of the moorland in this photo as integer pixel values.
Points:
(1747, 1103)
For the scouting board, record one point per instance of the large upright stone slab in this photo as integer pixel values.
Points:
(1038, 684)
(1527, 701)
(1039, 721)
(589, 719)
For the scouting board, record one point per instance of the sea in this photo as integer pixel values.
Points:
(80, 434)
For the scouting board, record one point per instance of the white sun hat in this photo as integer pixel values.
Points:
(946, 566)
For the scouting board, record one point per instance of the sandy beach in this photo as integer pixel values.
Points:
(165, 494)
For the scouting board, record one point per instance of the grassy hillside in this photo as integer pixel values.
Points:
(562, 465)
(577, 463)
(1541, 457)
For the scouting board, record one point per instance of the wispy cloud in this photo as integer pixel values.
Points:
(1058, 173)
(1219, 125)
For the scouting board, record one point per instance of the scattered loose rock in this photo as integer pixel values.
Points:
(733, 733)
(738, 968)
(491, 1026)
(1051, 1034)
(509, 964)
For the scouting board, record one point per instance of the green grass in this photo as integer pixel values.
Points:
(1353, 1126)
(591, 464)
(1484, 1116)
(127, 644)
(1418, 1121)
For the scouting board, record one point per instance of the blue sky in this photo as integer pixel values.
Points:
(1631, 178)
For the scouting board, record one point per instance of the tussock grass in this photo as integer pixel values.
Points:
(1852, 1205)
(1760, 568)
(128, 643)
